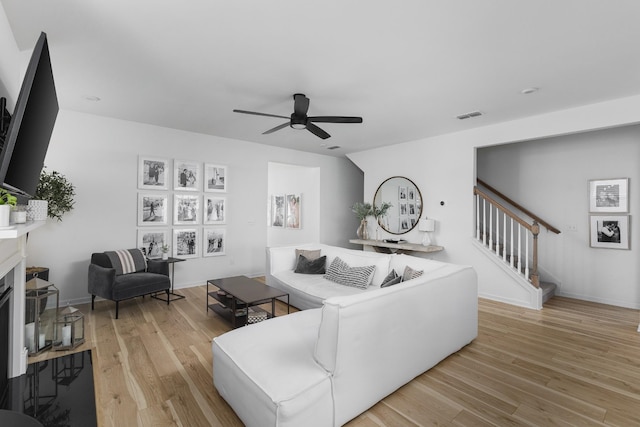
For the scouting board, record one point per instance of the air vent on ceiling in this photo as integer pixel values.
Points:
(469, 115)
(333, 147)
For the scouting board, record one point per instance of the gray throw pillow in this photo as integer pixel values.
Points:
(391, 282)
(340, 273)
(308, 254)
(307, 266)
(392, 275)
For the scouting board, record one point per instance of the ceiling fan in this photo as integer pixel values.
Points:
(300, 120)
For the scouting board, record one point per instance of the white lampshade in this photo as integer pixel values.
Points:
(427, 225)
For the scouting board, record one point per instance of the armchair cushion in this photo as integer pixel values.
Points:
(127, 261)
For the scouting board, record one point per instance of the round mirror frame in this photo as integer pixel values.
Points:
(377, 200)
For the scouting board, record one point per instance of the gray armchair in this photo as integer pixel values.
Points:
(110, 282)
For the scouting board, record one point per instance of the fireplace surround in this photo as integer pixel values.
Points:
(13, 254)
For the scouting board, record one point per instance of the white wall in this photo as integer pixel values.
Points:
(100, 157)
(9, 66)
(550, 177)
(443, 167)
(305, 181)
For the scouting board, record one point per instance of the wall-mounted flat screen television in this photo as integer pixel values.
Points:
(27, 138)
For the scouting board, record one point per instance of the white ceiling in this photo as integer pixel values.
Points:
(408, 67)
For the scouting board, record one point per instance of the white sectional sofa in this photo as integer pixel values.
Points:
(324, 366)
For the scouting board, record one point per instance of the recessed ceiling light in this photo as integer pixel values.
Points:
(92, 98)
(529, 90)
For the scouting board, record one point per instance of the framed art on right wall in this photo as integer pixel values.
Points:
(609, 231)
(609, 195)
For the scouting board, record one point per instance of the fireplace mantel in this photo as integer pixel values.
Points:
(13, 254)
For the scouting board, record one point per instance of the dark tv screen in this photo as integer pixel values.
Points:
(30, 128)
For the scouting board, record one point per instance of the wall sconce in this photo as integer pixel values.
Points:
(427, 226)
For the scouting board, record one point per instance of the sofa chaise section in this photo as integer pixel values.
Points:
(324, 366)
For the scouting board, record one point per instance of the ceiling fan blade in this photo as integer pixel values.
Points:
(300, 104)
(282, 126)
(317, 131)
(335, 119)
(259, 114)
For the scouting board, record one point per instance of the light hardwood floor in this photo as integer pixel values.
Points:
(573, 363)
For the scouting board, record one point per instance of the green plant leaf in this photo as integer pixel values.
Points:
(58, 191)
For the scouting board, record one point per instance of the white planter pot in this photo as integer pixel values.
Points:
(37, 210)
(5, 215)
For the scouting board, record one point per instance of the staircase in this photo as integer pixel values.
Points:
(508, 234)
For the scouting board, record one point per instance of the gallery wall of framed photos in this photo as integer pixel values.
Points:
(182, 204)
(609, 218)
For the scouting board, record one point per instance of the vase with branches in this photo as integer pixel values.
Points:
(362, 211)
(379, 212)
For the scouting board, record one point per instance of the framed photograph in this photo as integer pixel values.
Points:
(402, 193)
(277, 211)
(152, 173)
(150, 241)
(187, 176)
(215, 209)
(215, 178)
(609, 231)
(294, 206)
(214, 242)
(152, 209)
(609, 195)
(411, 193)
(186, 243)
(186, 209)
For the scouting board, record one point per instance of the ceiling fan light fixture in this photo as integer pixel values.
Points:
(298, 122)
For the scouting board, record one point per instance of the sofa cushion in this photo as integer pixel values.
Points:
(310, 266)
(310, 290)
(132, 285)
(126, 261)
(341, 273)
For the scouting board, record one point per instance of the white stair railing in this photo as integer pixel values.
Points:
(511, 245)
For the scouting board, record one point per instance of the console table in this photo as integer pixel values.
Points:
(399, 248)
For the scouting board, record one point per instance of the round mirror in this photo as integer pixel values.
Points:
(406, 204)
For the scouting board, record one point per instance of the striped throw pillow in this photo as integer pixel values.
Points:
(126, 261)
(410, 273)
(340, 272)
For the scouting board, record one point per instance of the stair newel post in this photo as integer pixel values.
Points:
(535, 230)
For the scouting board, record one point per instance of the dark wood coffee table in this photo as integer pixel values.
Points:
(241, 293)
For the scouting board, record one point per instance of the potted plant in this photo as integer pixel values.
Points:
(56, 190)
(165, 251)
(7, 200)
(362, 211)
